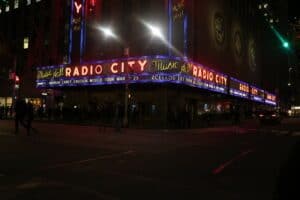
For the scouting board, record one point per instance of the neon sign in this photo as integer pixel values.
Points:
(208, 75)
(156, 69)
(257, 94)
(77, 7)
(77, 15)
(238, 88)
(107, 68)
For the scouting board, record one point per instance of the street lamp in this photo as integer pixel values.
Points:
(126, 54)
(108, 32)
(156, 31)
(286, 44)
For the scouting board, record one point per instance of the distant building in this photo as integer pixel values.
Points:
(179, 58)
(294, 62)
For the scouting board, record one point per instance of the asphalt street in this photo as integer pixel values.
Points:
(81, 162)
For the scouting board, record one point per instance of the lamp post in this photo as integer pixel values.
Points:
(156, 32)
(125, 122)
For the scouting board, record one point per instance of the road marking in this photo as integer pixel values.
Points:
(35, 184)
(91, 159)
(221, 168)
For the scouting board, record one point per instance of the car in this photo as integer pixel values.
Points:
(269, 117)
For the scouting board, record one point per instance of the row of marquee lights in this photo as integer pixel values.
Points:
(149, 69)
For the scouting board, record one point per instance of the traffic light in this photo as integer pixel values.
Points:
(286, 44)
(282, 39)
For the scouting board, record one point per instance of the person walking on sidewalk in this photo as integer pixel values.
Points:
(20, 113)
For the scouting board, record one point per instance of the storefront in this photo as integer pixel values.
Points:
(161, 90)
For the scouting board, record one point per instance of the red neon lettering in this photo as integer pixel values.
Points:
(78, 7)
(204, 74)
(93, 3)
(211, 76)
(131, 63)
(195, 70)
(91, 69)
(84, 70)
(98, 69)
(76, 72)
(217, 79)
(68, 72)
(199, 72)
(225, 80)
(254, 91)
(142, 64)
(112, 68)
(122, 67)
(244, 88)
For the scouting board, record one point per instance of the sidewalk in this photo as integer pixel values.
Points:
(7, 126)
(129, 139)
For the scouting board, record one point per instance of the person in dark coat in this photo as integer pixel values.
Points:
(29, 116)
(20, 113)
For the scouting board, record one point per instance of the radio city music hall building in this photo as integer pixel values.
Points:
(165, 59)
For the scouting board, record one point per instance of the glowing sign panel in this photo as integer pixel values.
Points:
(270, 98)
(78, 7)
(158, 69)
(256, 94)
(107, 68)
(208, 75)
(238, 88)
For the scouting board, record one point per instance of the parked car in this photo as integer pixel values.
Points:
(269, 117)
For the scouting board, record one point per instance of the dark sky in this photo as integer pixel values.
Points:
(294, 10)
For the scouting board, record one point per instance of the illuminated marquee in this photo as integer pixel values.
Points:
(270, 98)
(238, 88)
(208, 75)
(156, 69)
(78, 7)
(137, 66)
(77, 15)
(257, 94)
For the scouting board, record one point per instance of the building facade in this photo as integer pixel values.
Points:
(167, 62)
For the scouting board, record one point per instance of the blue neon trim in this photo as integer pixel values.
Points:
(71, 32)
(82, 30)
(185, 33)
(44, 83)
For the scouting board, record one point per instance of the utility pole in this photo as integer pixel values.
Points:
(125, 122)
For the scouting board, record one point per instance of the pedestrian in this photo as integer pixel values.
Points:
(20, 113)
(118, 117)
(29, 116)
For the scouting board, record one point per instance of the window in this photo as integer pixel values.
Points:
(28, 2)
(26, 43)
(37, 0)
(7, 8)
(16, 4)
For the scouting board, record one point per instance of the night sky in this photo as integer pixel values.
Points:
(293, 8)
